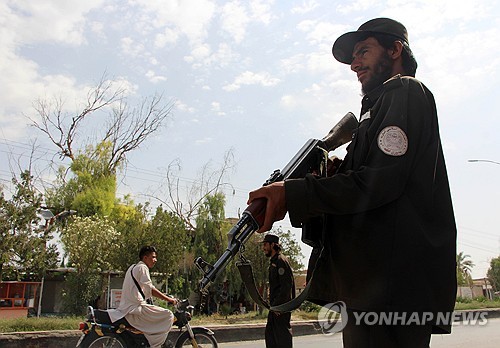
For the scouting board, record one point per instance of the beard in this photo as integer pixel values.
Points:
(268, 253)
(382, 72)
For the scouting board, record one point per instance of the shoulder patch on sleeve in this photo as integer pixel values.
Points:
(393, 141)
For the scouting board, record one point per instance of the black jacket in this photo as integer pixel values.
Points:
(281, 282)
(390, 231)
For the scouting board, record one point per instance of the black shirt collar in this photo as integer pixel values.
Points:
(274, 258)
(371, 97)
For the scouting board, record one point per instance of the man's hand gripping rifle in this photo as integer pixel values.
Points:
(311, 157)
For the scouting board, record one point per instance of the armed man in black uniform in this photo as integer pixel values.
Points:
(281, 289)
(389, 231)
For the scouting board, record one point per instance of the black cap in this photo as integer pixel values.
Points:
(271, 238)
(344, 45)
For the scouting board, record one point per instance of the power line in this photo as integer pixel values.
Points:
(130, 167)
(480, 232)
(478, 248)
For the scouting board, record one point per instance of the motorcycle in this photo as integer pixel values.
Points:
(98, 331)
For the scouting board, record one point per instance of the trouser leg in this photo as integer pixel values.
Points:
(361, 335)
(278, 332)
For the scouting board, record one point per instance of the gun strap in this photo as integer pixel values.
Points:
(246, 272)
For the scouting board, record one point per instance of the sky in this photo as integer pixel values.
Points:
(254, 78)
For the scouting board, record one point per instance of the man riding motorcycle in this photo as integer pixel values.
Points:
(136, 304)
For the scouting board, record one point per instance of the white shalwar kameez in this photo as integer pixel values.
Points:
(155, 322)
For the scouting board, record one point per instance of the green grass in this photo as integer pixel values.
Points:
(39, 324)
(477, 304)
(71, 323)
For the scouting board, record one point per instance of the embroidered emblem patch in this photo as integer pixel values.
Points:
(393, 141)
(281, 271)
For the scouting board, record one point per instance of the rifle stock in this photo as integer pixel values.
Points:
(305, 161)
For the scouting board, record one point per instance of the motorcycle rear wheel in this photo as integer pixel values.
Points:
(108, 342)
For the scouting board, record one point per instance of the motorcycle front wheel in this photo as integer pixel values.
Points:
(108, 342)
(203, 338)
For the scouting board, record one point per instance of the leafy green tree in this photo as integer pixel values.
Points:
(91, 190)
(494, 273)
(291, 248)
(97, 184)
(89, 243)
(209, 240)
(464, 268)
(24, 249)
(7, 234)
(165, 230)
(169, 234)
(131, 222)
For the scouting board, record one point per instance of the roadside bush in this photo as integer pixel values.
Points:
(481, 299)
(463, 299)
(309, 307)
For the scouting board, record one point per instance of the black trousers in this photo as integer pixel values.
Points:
(361, 335)
(278, 330)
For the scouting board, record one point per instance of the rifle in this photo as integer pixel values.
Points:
(311, 157)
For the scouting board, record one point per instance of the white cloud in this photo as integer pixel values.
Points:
(293, 64)
(37, 21)
(205, 140)
(200, 51)
(131, 48)
(234, 19)
(319, 32)
(305, 7)
(181, 106)
(288, 101)
(450, 77)
(217, 109)
(201, 56)
(357, 6)
(151, 76)
(168, 36)
(261, 10)
(251, 78)
(235, 16)
(97, 28)
(188, 17)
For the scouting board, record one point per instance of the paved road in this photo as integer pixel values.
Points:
(486, 336)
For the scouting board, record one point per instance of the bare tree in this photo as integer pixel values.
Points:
(128, 128)
(184, 200)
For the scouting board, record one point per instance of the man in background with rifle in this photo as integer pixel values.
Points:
(278, 332)
(388, 240)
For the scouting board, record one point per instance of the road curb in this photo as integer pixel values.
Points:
(223, 333)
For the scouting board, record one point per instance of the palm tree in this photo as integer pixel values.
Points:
(464, 268)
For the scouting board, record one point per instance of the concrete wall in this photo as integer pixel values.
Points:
(470, 292)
